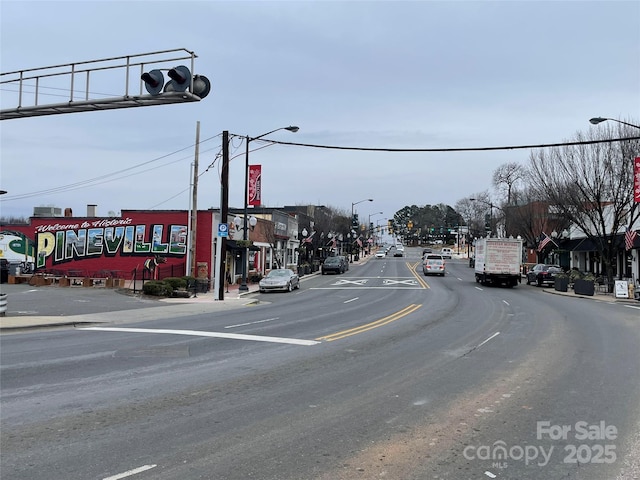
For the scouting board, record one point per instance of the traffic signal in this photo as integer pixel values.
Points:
(180, 81)
(153, 81)
(354, 221)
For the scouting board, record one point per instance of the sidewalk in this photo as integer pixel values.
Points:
(176, 307)
(201, 303)
(601, 297)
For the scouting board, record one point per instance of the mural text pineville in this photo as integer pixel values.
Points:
(108, 237)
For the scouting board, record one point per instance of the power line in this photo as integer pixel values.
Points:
(106, 177)
(462, 149)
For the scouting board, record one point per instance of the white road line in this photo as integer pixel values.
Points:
(492, 336)
(459, 278)
(129, 473)
(478, 288)
(352, 300)
(489, 474)
(506, 303)
(251, 323)
(197, 333)
(393, 287)
(631, 306)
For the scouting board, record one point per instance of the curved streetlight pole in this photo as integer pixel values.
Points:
(369, 227)
(243, 286)
(353, 204)
(490, 205)
(597, 120)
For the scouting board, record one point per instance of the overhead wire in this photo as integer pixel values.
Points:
(106, 177)
(267, 143)
(460, 149)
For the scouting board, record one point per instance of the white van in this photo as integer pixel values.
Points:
(447, 252)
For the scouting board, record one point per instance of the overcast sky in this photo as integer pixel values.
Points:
(383, 74)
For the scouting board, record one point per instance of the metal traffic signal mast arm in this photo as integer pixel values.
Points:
(24, 89)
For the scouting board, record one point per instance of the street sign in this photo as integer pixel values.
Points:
(223, 230)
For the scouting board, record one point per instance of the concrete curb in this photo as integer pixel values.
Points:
(599, 297)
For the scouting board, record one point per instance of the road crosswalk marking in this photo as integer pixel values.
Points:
(361, 281)
(388, 281)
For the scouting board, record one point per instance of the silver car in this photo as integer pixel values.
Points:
(434, 265)
(283, 279)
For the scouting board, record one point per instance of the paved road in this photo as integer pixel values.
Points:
(378, 373)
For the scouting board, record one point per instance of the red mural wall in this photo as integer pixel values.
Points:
(91, 246)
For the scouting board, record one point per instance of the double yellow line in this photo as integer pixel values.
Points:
(415, 273)
(369, 326)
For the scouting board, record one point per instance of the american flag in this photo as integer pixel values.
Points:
(629, 238)
(544, 241)
(309, 238)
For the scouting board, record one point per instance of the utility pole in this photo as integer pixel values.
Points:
(224, 213)
(194, 206)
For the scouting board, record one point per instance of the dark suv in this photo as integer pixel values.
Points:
(543, 274)
(334, 264)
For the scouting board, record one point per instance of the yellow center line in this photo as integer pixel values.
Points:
(414, 272)
(369, 326)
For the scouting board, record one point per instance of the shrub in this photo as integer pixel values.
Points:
(176, 283)
(255, 278)
(575, 274)
(157, 288)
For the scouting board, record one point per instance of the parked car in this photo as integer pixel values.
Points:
(283, 279)
(433, 265)
(542, 274)
(333, 264)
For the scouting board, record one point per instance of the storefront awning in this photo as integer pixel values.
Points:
(579, 245)
(233, 245)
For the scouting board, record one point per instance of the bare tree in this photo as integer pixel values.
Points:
(507, 177)
(592, 186)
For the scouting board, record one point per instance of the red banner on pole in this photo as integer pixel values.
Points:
(636, 180)
(255, 185)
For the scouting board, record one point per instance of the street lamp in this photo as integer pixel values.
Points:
(369, 226)
(353, 204)
(243, 287)
(597, 120)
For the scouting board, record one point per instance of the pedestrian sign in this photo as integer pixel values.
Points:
(223, 230)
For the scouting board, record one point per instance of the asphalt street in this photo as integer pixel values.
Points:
(380, 372)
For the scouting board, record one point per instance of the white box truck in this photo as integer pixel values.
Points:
(498, 261)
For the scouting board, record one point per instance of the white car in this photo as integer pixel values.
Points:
(381, 253)
(283, 279)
